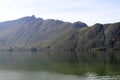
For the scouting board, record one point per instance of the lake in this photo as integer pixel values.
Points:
(26, 65)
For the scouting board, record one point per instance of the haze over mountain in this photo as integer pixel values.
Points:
(39, 34)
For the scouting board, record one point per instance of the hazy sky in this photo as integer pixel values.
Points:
(88, 11)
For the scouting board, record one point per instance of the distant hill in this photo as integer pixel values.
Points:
(31, 33)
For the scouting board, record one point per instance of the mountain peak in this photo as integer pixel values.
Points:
(33, 16)
(79, 24)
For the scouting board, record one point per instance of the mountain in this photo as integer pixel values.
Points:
(31, 33)
(98, 37)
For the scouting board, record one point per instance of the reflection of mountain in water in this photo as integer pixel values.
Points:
(68, 63)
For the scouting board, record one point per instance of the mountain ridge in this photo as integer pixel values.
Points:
(36, 33)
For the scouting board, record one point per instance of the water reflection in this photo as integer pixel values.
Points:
(80, 63)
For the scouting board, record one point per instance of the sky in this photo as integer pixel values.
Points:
(88, 11)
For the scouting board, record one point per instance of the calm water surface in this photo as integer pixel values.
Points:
(59, 66)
